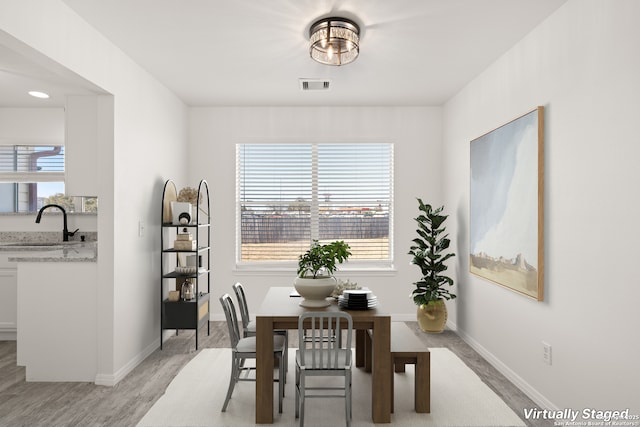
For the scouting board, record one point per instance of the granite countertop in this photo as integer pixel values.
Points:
(51, 252)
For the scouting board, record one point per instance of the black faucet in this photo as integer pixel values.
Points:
(65, 231)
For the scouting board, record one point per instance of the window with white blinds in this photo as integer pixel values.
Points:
(28, 175)
(32, 176)
(28, 163)
(291, 194)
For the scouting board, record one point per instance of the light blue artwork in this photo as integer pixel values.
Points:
(506, 205)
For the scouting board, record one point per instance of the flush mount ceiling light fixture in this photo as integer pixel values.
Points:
(334, 41)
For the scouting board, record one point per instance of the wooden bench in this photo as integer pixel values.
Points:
(406, 348)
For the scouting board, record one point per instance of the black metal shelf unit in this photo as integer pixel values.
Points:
(181, 314)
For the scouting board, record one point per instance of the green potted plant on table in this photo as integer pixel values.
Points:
(315, 281)
(429, 253)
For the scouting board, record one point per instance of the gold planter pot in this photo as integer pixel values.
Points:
(432, 317)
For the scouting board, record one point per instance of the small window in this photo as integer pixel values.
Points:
(291, 194)
(32, 176)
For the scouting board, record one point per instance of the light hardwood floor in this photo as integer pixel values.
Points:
(31, 404)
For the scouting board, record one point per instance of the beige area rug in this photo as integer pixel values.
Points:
(458, 398)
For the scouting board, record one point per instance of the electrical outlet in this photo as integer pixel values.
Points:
(140, 228)
(546, 353)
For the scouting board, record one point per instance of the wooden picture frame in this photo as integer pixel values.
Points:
(506, 243)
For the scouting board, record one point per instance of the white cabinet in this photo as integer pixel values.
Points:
(8, 298)
(57, 313)
(88, 126)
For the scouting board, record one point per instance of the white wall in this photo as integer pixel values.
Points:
(31, 126)
(582, 65)
(415, 132)
(149, 130)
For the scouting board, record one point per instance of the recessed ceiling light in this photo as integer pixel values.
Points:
(37, 94)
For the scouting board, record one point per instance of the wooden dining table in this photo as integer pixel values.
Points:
(280, 310)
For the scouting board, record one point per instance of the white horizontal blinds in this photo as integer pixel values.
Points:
(25, 163)
(354, 192)
(289, 194)
(275, 188)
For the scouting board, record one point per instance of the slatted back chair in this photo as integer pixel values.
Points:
(245, 348)
(318, 356)
(248, 325)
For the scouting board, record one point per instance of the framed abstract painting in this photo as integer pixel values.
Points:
(507, 205)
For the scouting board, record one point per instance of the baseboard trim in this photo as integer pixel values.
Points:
(518, 381)
(403, 317)
(111, 380)
(8, 334)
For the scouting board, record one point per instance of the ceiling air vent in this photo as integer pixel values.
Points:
(314, 84)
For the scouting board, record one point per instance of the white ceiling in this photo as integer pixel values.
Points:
(253, 52)
(19, 75)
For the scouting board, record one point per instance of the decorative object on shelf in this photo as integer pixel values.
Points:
(315, 281)
(179, 281)
(506, 214)
(188, 290)
(184, 218)
(174, 296)
(181, 211)
(185, 245)
(334, 41)
(170, 196)
(185, 242)
(189, 269)
(189, 195)
(429, 255)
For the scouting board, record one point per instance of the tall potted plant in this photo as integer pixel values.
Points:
(315, 281)
(429, 254)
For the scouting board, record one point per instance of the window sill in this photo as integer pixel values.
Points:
(262, 270)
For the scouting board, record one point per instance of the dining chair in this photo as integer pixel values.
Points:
(338, 337)
(243, 348)
(248, 325)
(317, 356)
